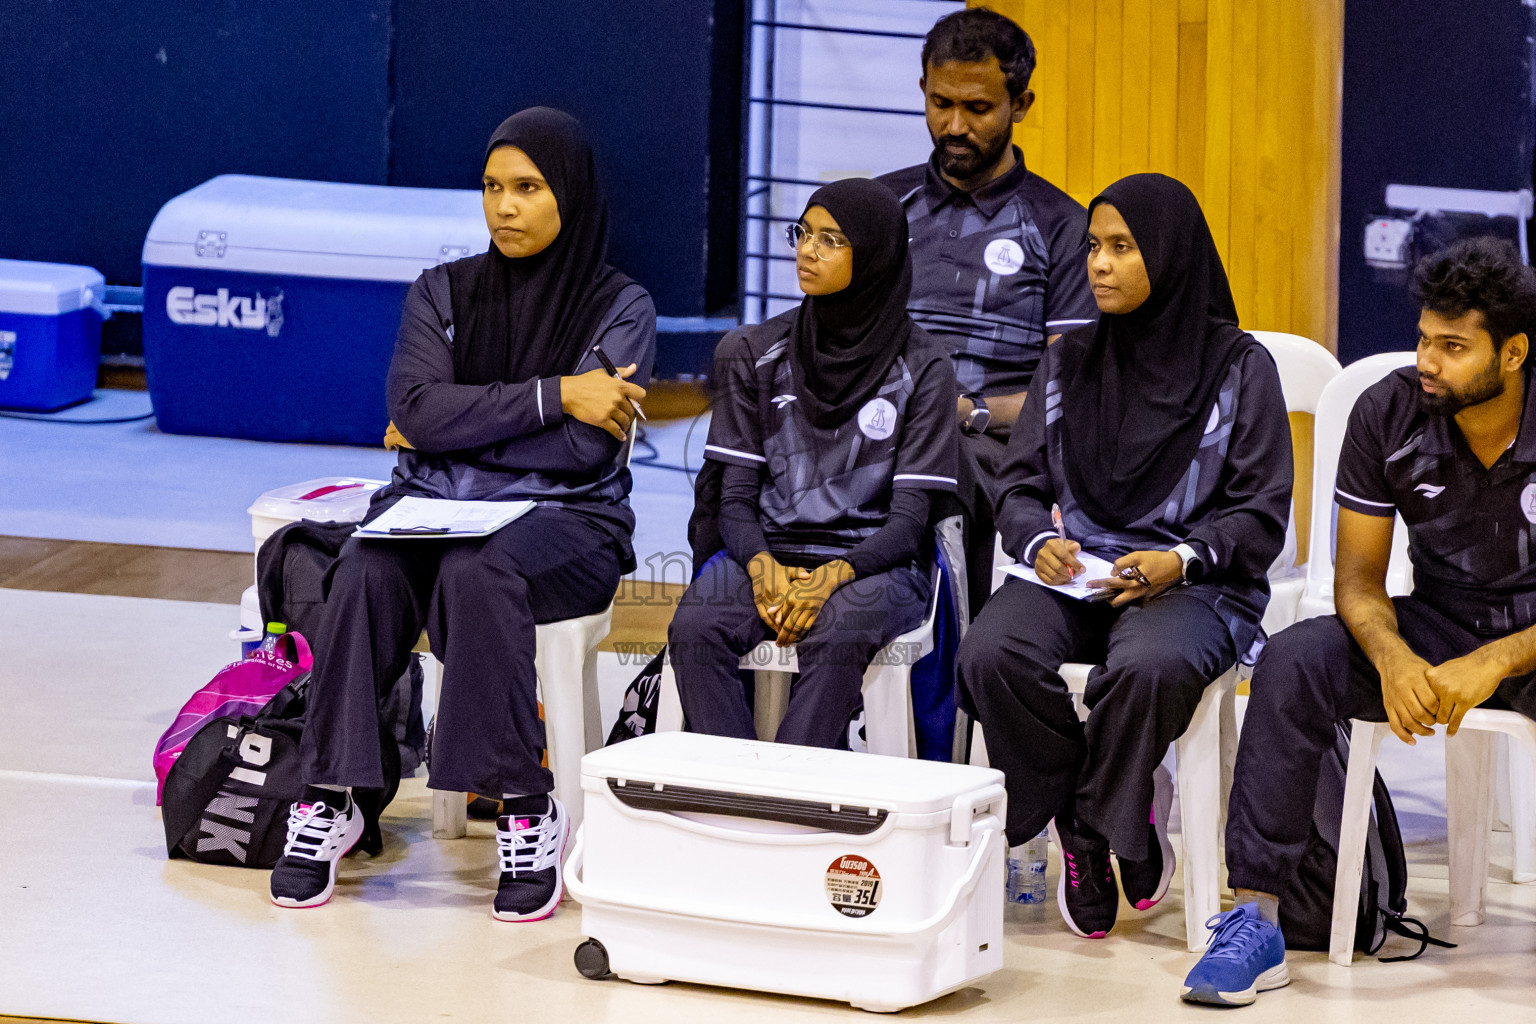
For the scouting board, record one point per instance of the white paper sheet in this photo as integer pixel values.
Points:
(1095, 568)
(436, 518)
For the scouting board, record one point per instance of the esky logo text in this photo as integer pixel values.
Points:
(221, 309)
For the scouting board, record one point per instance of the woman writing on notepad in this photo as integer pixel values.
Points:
(1161, 435)
(494, 394)
(834, 422)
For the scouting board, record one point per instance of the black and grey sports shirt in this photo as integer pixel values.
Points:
(826, 489)
(995, 272)
(1471, 530)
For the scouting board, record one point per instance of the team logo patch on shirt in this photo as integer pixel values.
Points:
(1003, 256)
(1434, 491)
(878, 420)
(1528, 502)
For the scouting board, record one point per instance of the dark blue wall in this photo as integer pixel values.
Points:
(109, 109)
(1434, 94)
(636, 74)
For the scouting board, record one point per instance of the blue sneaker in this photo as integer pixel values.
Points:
(1246, 957)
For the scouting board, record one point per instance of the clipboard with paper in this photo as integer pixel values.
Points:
(440, 518)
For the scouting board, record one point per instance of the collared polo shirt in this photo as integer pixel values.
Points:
(995, 272)
(1471, 530)
(826, 489)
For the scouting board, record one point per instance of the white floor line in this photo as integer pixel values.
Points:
(14, 775)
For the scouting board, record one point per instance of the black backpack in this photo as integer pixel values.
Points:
(637, 715)
(227, 797)
(1306, 906)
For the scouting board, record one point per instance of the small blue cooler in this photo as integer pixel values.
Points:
(271, 305)
(50, 334)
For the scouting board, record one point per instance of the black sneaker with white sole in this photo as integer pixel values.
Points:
(1086, 891)
(531, 847)
(1145, 882)
(319, 835)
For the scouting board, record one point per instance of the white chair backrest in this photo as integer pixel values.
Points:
(1305, 368)
(1337, 401)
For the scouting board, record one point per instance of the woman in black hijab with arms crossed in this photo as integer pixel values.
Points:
(494, 394)
(1161, 433)
(834, 422)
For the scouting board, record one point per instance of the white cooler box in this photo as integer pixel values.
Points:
(331, 499)
(872, 880)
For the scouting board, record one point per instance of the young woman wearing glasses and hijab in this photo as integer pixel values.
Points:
(496, 395)
(834, 422)
(1161, 433)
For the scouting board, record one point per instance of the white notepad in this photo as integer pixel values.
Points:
(438, 518)
(1095, 568)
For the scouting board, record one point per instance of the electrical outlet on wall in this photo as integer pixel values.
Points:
(1386, 242)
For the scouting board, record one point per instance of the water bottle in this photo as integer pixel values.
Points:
(1026, 871)
(269, 644)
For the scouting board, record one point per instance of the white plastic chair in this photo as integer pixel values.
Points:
(1469, 776)
(1334, 406)
(1469, 755)
(888, 724)
(565, 661)
(1305, 369)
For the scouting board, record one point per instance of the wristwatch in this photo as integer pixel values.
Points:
(976, 422)
(1194, 565)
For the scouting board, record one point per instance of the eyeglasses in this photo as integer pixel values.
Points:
(824, 244)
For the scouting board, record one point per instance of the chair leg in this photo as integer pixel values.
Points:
(1229, 739)
(770, 699)
(1503, 769)
(888, 710)
(961, 743)
(1199, 781)
(1522, 804)
(911, 716)
(1360, 776)
(450, 811)
(979, 756)
(1469, 764)
(559, 662)
(592, 708)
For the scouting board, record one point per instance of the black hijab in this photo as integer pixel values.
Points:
(521, 319)
(843, 344)
(1139, 386)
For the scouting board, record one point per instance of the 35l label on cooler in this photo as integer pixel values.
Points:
(853, 886)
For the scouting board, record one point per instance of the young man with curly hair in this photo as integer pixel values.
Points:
(1450, 445)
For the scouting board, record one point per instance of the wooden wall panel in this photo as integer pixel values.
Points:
(1163, 93)
(1239, 99)
(1135, 86)
(1108, 112)
(1079, 97)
